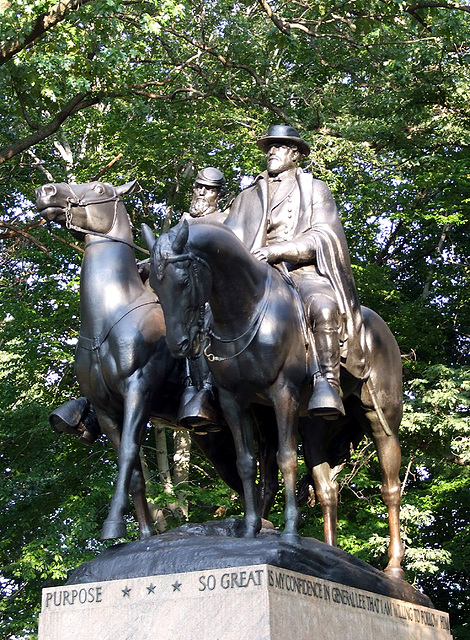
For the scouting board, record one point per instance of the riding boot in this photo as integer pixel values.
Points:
(198, 406)
(325, 400)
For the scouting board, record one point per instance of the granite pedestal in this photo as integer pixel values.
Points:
(204, 582)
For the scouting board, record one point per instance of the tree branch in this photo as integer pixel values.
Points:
(455, 459)
(15, 232)
(106, 168)
(76, 104)
(288, 27)
(411, 8)
(43, 23)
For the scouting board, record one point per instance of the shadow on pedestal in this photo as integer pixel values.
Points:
(220, 545)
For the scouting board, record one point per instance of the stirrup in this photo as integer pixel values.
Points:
(197, 411)
(78, 418)
(325, 401)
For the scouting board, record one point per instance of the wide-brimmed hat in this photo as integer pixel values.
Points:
(210, 177)
(284, 134)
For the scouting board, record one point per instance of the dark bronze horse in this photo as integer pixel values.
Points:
(257, 354)
(122, 361)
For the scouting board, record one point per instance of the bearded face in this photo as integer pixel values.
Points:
(205, 200)
(281, 157)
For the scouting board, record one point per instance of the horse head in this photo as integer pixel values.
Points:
(79, 207)
(182, 281)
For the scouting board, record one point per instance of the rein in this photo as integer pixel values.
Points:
(76, 202)
(193, 260)
(249, 332)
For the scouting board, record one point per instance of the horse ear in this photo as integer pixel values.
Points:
(147, 236)
(124, 189)
(181, 237)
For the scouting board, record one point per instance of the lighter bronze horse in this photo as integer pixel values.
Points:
(257, 354)
(122, 361)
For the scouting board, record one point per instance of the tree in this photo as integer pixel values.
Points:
(155, 90)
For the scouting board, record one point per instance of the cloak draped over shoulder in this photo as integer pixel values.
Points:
(320, 241)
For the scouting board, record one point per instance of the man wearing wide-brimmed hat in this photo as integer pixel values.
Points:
(287, 216)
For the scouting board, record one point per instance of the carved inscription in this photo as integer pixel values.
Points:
(70, 597)
(334, 595)
(231, 580)
(356, 599)
(296, 584)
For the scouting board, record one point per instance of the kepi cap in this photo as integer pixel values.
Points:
(210, 177)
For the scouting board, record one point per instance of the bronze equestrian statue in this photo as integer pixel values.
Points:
(260, 346)
(122, 361)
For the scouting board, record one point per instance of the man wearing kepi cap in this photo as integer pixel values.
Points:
(198, 409)
(287, 216)
(208, 188)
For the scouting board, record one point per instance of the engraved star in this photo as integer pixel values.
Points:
(176, 586)
(151, 588)
(126, 592)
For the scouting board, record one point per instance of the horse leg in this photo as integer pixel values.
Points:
(286, 406)
(241, 425)
(137, 482)
(112, 429)
(135, 413)
(389, 453)
(219, 449)
(313, 433)
(139, 497)
(268, 469)
(327, 494)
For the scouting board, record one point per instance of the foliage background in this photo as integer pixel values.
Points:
(152, 90)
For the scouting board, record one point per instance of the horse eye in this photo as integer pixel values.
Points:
(99, 189)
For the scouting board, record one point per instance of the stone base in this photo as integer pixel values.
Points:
(220, 544)
(208, 582)
(255, 602)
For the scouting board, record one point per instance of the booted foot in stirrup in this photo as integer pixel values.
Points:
(325, 400)
(197, 410)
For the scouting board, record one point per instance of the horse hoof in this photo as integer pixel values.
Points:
(113, 529)
(252, 530)
(146, 534)
(290, 538)
(395, 572)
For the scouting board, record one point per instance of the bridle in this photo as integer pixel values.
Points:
(194, 261)
(75, 201)
(247, 336)
(205, 330)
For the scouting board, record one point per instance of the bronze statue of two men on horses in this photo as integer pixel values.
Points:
(266, 293)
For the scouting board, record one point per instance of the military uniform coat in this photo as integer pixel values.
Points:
(316, 230)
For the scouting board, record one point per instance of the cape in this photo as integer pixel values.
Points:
(320, 241)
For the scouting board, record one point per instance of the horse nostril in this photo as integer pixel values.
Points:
(46, 190)
(49, 190)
